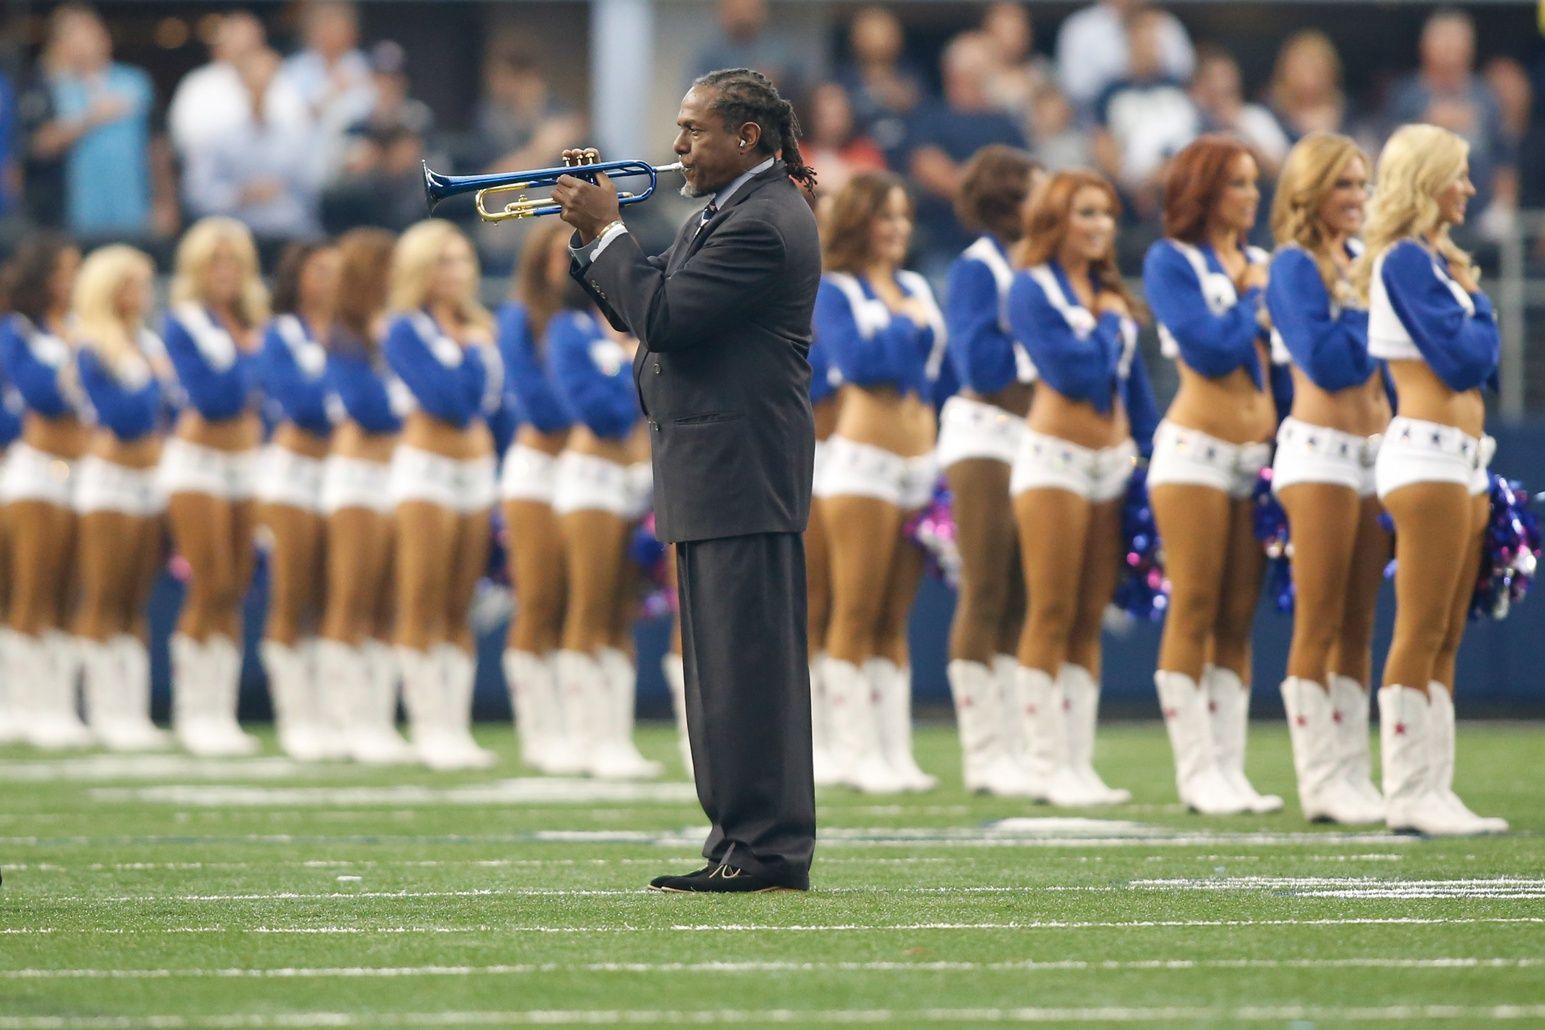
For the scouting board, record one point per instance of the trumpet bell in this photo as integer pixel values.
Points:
(439, 187)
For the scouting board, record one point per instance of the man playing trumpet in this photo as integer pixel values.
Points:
(723, 324)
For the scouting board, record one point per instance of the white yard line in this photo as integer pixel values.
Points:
(550, 1017)
(774, 928)
(654, 968)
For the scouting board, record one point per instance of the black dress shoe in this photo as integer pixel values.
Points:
(717, 879)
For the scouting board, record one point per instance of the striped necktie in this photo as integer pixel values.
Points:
(708, 213)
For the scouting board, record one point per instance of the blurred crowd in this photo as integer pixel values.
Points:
(330, 136)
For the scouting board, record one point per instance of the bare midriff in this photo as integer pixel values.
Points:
(618, 452)
(242, 433)
(1361, 410)
(1077, 422)
(550, 444)
(351, 441)
(1014, 398)
(142, 453)
(460, 443)
(826, 412)
(884, 417)
(293, 438)
(64, 437)
(1229, 408)
(1424, 396)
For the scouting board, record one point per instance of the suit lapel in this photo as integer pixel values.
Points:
(751, 185)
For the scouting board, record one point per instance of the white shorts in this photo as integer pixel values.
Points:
(1415, 451)
(1187, 456)
(190, 468)
(1052, 463)
(1307, 453)
(853, 469)
(466, 487)
(971, 429)
(586, 482)
(640, 489)
(356, 483)
(528, 475)
(101, 485)
(285, 477)
(34, 475)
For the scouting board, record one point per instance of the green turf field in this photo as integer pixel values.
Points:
(165, 892)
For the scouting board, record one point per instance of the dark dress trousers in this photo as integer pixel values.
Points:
(723, 323)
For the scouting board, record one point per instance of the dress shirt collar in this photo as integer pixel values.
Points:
(722, 197)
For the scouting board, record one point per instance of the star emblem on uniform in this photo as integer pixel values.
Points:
(1400, 729)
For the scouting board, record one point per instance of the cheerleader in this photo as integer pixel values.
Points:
(41, 661)
(208, 474)
(526, 488)
(10, 429)
(886, 337)
(598, 497)
(354, 655)
(980, 429)
(117, 500)
(824, 405)
(1428, 318)
(1092, 416)
(1205, 284)
(1323, 474)
(311, 715)
(443, 482)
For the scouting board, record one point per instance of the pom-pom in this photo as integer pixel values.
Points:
(1271, 529)
(646, 550)
(933, 529)
(1510, 551)
(1144, 590)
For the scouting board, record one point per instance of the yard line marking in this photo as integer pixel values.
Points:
(348, 863)
(1055, 924)
(1502, 888)
(525, 790)
(1107, 1014)
(534, 968)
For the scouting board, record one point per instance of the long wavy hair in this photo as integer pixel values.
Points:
(364, 272)
(1417, 163)
(413, 265)
(1046, 226)
(542, 299)
(197, 251)
(99, 324)
(1309, 176)
(1195, 180)
(993, 188)
(847, 216)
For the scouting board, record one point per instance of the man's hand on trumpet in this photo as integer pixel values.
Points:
(589, 208)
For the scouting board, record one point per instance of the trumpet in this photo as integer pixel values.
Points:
(438, 187)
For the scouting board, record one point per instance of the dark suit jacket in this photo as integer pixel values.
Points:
(723, 323)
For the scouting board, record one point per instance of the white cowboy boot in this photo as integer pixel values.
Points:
(892, 684)
(12, 714)
(1011, 728)
(1044, 716)
(299, 721)
(369, 696)
(1440, 728)
(822, 764)
(55, 721)
(1201, 786)
(117, 711)
(455, 748)
(529, 680)
(986, 766)
(1229, 707)
(206, 682)
(1349, 718)
(855, 730)
(1082, 696)
(617, 757)
(135, 731)
(673, 668)
(1323, 793)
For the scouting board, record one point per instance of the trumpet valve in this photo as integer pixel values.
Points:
(590, 156)
(521, 207)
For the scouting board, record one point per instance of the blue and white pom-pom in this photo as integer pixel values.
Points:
(933, 529)
(1271, 529)
(1510, 552)
(1144, 590)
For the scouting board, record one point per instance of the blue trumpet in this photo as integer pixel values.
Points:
(438, 187)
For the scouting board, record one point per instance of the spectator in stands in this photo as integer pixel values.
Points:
(1018, 72)
(1305, 92)
(833, 144)
(1057, 140)
(1144, 118)
(116, 178)
(264, 168)
(1217, 92)
(381, 183)
(1515, 98)
(1446, 92)
(203, 101)
(1092, 50)
(330, 73)
(744, 42)
(942, 136)
(519, 123)
(883, 85)
(42, 163)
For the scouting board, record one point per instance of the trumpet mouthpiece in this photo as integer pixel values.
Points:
(670, 167)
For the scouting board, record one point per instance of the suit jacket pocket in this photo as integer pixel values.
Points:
(709, 418)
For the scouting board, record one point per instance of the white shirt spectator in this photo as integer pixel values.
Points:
(1092, 51)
